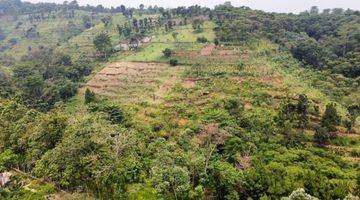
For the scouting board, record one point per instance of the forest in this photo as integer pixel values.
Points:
(186, 103)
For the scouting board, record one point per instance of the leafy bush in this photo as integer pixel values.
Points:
(174, 62)
(115, 113)
(216, 42)
(84, 158)
(167, 52)
(103, 44)
(89, 96)
(7, 160)
(331, 118)
(202, 39)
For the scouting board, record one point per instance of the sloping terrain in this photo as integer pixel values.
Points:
(134, 81)
(212, 106)
(24, 35)
(213, 74)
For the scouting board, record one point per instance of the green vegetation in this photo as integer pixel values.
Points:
(185, 103)
(103, 44)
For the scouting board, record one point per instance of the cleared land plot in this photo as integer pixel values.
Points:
(135, 81)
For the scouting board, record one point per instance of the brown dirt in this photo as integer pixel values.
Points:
(226, 52)
(243, 162)
(187, 54)
(341, 149)
(165, 88)
(207, 50)
(182, 122)
(348, 135)
(189, 83)
(129, 80)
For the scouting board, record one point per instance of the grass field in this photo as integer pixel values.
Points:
(83, 43)
(184, 41)
(52, 32)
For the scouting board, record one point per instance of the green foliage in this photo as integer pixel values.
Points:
(107, 20)
(47, 133)
(227, 179)
(197, 25)
(103, 44)
(322, 135)
(89, 96)
(228, 128)
(310, 52)
(46, 78)
(174, 62)
(216, 42)
(302, 110)
(87, 22)
(174, 35)
(277, 174)
(7, 160)
(138, 191)
(310, 38)
(353, 114)
(167, 52)
(197, 193)
(65, 60)
(173, 181)
(6, 88)
(331, 118)
(202, 39)
(114, 113)
(15, 121)
(217, 116)
(85, 154)
(35, 190)
(234, 107)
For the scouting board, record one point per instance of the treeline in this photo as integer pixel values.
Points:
(136, 29)
(17, 7)
(44, 77)
(328, 40)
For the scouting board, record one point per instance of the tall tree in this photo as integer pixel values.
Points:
(331, 118)
(302, 110)
(103, 44)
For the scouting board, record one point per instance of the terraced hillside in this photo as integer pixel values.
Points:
(22, 35)
(186, 103)
(134, 81)
(211, 75)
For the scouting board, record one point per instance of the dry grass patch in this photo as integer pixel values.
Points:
(134, 81)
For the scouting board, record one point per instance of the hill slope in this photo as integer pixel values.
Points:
(195, 108)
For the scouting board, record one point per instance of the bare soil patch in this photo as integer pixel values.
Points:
(135, 81)
(189, 83)
(164, 88)
(207, 50)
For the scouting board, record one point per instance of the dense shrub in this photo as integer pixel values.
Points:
(167, 52)
(202, 39)
(89, 96)
(174, 62)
